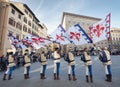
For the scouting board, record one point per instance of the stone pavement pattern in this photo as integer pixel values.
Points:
(35, 81)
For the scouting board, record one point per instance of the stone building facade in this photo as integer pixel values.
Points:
(18, 20)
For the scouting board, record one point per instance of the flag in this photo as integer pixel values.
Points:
(15, 43)
(34, 41)
(57, 36)
(37, 46)
(45, 42)
(27, 40)
(39, 42)
(77, 35)
(11, 44)
(13, 40)
(100, 30)
(22, 46)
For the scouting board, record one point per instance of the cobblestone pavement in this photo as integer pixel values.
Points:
(35, 81)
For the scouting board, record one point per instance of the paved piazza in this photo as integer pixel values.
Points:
(35, 81)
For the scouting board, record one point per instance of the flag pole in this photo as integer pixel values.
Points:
(109, 37)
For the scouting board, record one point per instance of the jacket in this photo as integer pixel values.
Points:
(27, 61)
(87, 59)
(11, 61)
(105, 59)
(56, 57)
(43, 59)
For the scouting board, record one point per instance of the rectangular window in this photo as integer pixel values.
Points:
(29, 23)
(25, 28)
(30, 15)
(19, 16)
(32, 25)
(25, 19)
(26, 11)
(11, 22)
(19, 26)
(13, 11)
(29, 30)
(35, 27)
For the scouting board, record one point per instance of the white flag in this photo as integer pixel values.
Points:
(100, 30)
(77, 35)
(58, 37)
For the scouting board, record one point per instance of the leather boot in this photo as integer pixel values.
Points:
(9, 77)
(58, 78)
(44, 76)
(107, 76)
(4, 77)
(74, 78)
(55, 77)
(110, 78)
(91, 78)
(25, 76)
(87, 78)
(28, 76)
(69, 77)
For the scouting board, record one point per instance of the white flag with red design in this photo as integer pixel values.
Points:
(100, 30)
(39, 42)
(58, 37)
(77, 35)
(35, 42)
(27, 39)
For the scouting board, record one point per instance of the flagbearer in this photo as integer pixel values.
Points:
(88, 64)
(11, 64)
(43, 65)
(71, 64)
(27, 64)
(56, 63)
(104, 57)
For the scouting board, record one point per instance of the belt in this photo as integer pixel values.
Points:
(72, 60)
(88, 60)
(28, 62)
(43, 61)
(11, 62)
(57, 59)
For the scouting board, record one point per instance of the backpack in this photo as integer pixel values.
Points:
(83, 58)
(104, 57)
(67, 58)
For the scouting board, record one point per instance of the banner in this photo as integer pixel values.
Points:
(100, 30)
(35, 42)
(77, 35)
(57, 36)
(16, 43)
